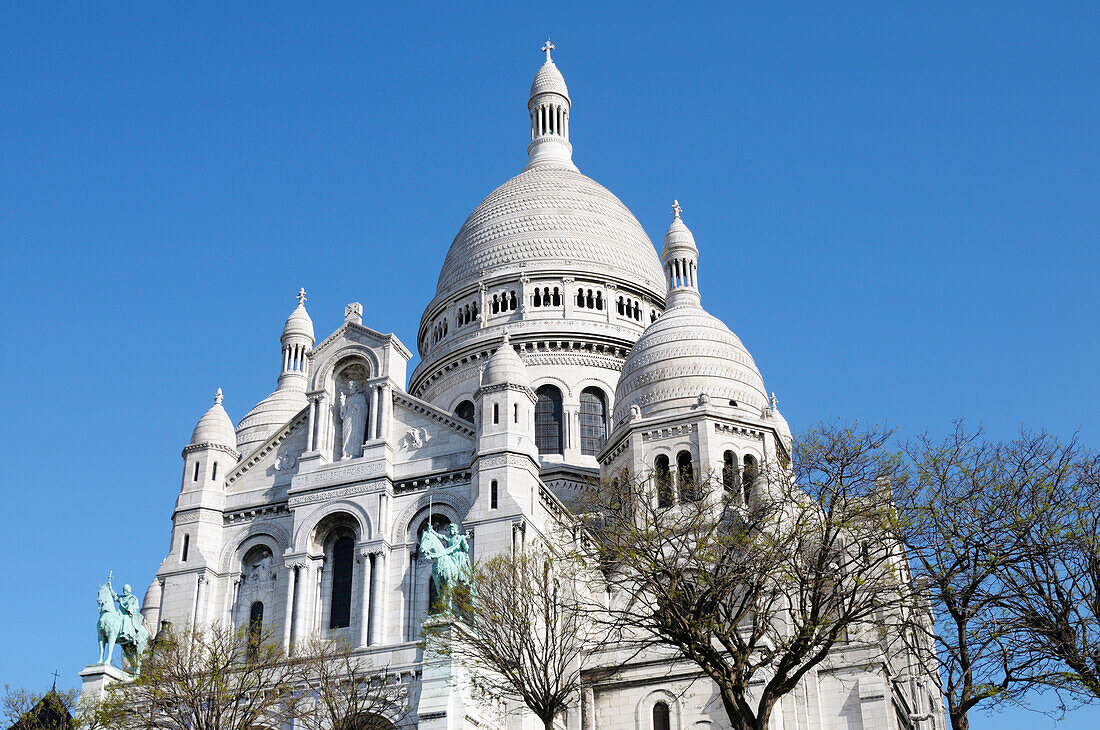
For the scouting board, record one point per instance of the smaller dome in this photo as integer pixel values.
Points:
(152, 598)
(299, 323)
(678, 235)
(269, 415)
(215, 427)
(783, 428)
(505, 366)
(549, 80)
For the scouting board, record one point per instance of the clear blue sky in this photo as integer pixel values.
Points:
(897, 209)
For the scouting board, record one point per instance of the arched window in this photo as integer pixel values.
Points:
(493, 495)
(196, 477)
(599, 301)
(496, 413)
(580, 297)
(686, 474)
(515, 413)
(548, 420)
(343, 551)
(729, 471)
(620, 308)
(186, 545)
(661, 716)
(214, 471)
(255, 626)
(465, 411)
(593, 421)
(663, 477)
(536, 301)
(748, 476)
(512, 303)
(557, 297)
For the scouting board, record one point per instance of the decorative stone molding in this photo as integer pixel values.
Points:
(453, 478)
(323, 495)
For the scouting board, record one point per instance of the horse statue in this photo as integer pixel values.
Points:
(450, 556)
(122, 627)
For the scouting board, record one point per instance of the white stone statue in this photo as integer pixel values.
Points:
(353, 416)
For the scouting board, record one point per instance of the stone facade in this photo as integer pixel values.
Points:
(549, 293)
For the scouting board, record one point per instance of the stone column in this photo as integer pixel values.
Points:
(372, 426)
(378, 597)
(312, 423)
(289, 616)
(231, 599)
(387, 412)
(324, 427)
(365, 598)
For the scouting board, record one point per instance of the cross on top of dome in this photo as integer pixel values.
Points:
(676, 209)
(302, 296)
(547, 47)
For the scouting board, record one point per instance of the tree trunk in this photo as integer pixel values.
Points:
(959, 721)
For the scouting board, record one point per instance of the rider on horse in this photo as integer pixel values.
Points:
(131, 611)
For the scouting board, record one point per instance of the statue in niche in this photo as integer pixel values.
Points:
(353, 417)
(450, 556)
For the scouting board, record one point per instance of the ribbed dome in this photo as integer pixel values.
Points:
(268, 415)
(686, 353)
(549, 80)
(299, 323)
(505, 366)
(215, 426)
(551, 218)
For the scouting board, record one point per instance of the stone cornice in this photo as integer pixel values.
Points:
(191, 448)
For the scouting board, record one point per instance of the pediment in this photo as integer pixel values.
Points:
(274, 461)
(419, 430)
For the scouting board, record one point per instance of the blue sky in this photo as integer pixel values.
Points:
(896, 207)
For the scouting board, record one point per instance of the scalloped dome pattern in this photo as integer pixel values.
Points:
(547, 80)
(551, 218)
(685, 353)
(268, 416)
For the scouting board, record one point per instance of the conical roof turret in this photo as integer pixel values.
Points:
(505, 366)
(299, 324)
(549, 107)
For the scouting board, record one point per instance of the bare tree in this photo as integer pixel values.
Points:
(523, 633)
(214, 678)
(341, 691)
(757, 593)
(26, 709)
(1051, 580)
(952, 508)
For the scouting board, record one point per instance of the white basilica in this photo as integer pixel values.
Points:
(558, 346)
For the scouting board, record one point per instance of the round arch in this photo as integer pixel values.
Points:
(305, 538)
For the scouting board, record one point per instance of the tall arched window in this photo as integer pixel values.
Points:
(663, 477)
(661, 716)
(593, 421)
(465, 411)
(343, 552)
(255, 626)
(686, 474)
(729, 471)
(748, 476)
(548, 420)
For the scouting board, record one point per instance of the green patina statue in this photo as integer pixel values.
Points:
(450, 556)
(123, 627)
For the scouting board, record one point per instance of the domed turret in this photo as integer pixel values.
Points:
(687, 352)
(215, 427)
(505, 366)
(290, 395)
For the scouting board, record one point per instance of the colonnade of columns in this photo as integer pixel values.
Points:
(306, 608)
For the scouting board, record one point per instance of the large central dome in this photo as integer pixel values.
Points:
(551, 218)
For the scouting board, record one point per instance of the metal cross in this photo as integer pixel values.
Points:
(548, 46)
(55, 676)
(302, 296)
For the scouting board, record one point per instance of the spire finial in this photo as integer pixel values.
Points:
(504, 337)
(676, 209)
(302, 297)
(218, 397)
(548, 46)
